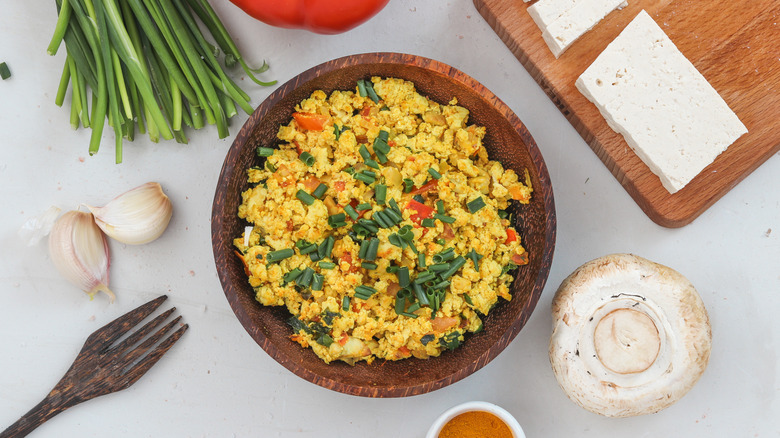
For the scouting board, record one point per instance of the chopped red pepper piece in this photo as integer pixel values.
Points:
(311, 121)
(423, 211)
(427, 187)
(520, 259)
(511, 236)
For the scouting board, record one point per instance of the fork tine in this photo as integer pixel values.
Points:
(138, 351)
(143, 331)
(118, 327)
(139, 369)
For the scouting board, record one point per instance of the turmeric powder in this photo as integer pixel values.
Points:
(476, 424)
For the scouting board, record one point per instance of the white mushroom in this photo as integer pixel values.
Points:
(630, 336)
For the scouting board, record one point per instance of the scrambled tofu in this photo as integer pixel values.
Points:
(379, 223)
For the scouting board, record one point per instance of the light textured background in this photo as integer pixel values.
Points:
(218, 383)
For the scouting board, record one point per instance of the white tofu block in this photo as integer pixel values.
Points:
(665, 109)
(575, 22)
(545, 12)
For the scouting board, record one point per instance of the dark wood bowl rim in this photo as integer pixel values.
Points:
(543, 188)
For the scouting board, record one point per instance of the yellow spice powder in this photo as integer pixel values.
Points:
(476, 424)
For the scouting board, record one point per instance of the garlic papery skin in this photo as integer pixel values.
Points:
(80, 252)
(137, 216)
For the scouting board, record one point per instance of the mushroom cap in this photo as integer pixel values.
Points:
(630, 336)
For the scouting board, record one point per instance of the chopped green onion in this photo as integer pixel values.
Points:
(292, 275)
(476, 205)
(406, 234)
(372, 163)
(392, 269)
(434, 173)
(364, 152)
(475, 257)
(424, 276)
(311, 247)
(305, 197)
(403, 276)
(5, 72)
(372, 250)
(380, 156)
(363, 249)
(307, 158)
(302, 244)
(337, 220)
(381, 193)
(508, 268)
(351, 212)
(371, 93)
(319, 192)
(304, 280)
(421, 260)
(365, 178)
(400, 304)
(456, 264)
(392, 214)
(370, 173)
(380, 219)
(440, 206)
(446, 255)
(264, 152)
(317, 281)
(270, 166)
(396, 241)
(326, 247)
(383, 135)
(336, 132)
(364, 206)
(468, 299)
(361, 85)
(394, 206)
(413, 308)
(370, 225)
(327, 265)
(368, 265)
(426, 339)
(439, 267)
(441, 285)
(381, 146)
(420, 294)
(345, 303)
(275, 256)
(503, 214)
(364, 291)
(408, 185)
(441, 242)
(419, 199)
(444, 218)
(429, 222)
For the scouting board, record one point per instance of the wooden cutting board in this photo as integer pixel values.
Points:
(735, 45)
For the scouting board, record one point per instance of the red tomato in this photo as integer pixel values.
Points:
(511, 236)
(310, 121)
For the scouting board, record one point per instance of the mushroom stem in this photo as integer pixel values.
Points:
(626, 341)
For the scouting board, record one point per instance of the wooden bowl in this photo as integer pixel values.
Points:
(507, 140)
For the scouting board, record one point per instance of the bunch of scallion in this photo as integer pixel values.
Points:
(147, 66)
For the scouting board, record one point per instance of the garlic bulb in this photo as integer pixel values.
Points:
(80, 252)
(137, 216)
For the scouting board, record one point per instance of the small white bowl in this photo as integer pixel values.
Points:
(498, 411)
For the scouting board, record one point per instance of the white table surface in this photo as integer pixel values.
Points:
(216, 382)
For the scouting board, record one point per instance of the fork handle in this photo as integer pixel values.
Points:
(43, 411)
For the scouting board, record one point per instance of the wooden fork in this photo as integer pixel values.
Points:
(104, 366)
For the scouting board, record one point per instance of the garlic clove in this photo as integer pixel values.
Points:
(136, 216)
(80, 252)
